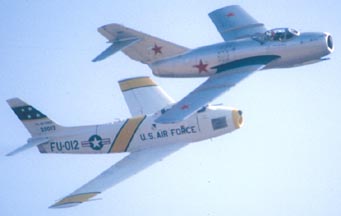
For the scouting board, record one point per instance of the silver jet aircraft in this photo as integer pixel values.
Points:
(146, 141)
(248, 47)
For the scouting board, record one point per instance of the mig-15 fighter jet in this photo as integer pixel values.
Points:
(146, 140)
(248, 47)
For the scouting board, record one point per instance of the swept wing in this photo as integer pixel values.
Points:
(128, 166)
(227, 76)
(234, 22)
(135, 44)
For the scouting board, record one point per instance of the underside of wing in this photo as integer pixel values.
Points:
(128, 166)
(234, 22)
(137, 45)
(227, 76)
(144, 96)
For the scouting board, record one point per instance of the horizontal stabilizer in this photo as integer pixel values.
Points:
(31, 143)
(115, 47)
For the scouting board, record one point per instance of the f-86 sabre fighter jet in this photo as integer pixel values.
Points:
(248, 47)
(146, 141)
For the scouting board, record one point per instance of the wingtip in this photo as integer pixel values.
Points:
(95, 59)
(65, 205)
(73, 200)
(9, 154)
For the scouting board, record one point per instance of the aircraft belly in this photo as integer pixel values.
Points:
(204, 61)
(189, 66)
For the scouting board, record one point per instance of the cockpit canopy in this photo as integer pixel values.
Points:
(281, 34)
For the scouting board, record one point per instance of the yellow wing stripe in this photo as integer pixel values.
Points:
(125, 135)
(75, 199)
(138, 82)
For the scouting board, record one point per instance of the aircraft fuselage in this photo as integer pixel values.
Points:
(142, 132)
(204, 61)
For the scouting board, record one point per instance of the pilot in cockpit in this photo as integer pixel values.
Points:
(280, 34)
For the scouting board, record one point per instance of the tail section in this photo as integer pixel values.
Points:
(35, 122)
(143, 96)
(137, 45)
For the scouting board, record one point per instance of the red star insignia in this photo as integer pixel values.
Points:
(157, 49)
(201, 66)
(185, 106)
(231, 14)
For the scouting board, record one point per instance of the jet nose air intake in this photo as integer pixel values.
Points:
(329, 42)
(238, 120)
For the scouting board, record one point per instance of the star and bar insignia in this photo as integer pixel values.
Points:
(96, 142)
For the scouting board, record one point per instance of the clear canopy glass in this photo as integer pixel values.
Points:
(281, 34)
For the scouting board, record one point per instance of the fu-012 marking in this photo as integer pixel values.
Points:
(68, 145)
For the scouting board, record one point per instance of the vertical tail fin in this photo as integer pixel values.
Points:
(35, 122)
(137, 45)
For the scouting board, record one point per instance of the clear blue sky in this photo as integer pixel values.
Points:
(285, 161)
